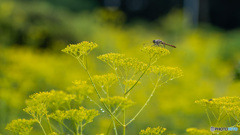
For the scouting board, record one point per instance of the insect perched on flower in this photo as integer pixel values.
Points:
(157, 42)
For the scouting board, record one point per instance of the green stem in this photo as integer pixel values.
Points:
(42, 128)
(208, 117)
(76, 128)
(137, 80)
(49, 123)
(214, 115)
(219, 116)
(118, 78)
(114, 127)
(109, 128)
(81, 128)
(67, 128)
(156, 85)
(124, 122)
(95, 88)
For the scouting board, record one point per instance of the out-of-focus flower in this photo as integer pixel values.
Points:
(195, 131)
(153, 131)
(116, 101)
(21, 126)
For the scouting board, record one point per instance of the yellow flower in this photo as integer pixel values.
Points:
(155, 52)
(105, 81)
(58, 115)
(80, 88)
(195, 131)
(172, 72)
(82, 114)
(153, 131)
(116, 101)
(229, 104)
(53, 99)
(115, 60)
(80, 49)
(21, 126)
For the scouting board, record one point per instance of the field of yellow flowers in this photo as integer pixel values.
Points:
(50, 92)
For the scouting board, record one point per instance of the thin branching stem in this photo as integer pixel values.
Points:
(81, 125)
(137, 80)
(42, 127)
(67, 128)
(124, 122)
(156, 85)
(95, 88)
(49, 123)
(208, 117)
(119, 81)
(114, 127)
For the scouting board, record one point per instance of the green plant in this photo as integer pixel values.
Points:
(63, 107)
(54, 105)
(127, 72)
(221, 112)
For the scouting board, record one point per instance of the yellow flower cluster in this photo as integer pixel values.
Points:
(21, 126)
(115, 59)
(106, 80)
(229, 104)
(52, 99)
(80, 89)
(133, 63)
(80, 49)
(195, 131)
(116, 101)
(77, 115)
(37, 111)
(155, 51)
(153, 131)
(172, 72)
(39, 103)
(58, 115)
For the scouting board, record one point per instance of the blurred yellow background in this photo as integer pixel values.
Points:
(208, 56)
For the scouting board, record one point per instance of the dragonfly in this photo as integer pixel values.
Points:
(158, 42)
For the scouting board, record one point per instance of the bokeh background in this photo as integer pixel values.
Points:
(206, 33)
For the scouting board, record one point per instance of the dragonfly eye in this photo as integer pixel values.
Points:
(154, 41)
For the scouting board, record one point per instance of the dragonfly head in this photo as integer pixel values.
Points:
(157, 41)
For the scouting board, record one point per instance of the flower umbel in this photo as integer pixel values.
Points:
(105, 81)
(112, 59)
(227, 103)
(81, 114)
(80, 49)
(21, 126)
(155, 52)
(116, 101)
(153, 131)
(172, 72)
(81, 89)
(59, 115)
